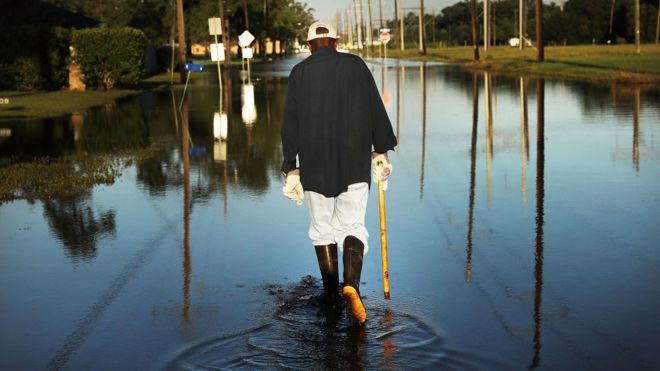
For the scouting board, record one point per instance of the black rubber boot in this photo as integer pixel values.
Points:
(327, 257)
(353, 252)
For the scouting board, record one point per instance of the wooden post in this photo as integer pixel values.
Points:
(521, 27)
(657, 26)
(475, 29)
(540, 55)
(245, 15)
(422, 28)
(182, 40)
(610, 35)
(396, 19)
(637, 39)
(225, 32)
(486, 25)
(401, 28)
(370, 30)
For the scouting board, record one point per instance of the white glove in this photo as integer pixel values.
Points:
(382, 168)
(293, 189)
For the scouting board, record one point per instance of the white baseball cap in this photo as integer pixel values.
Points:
(313, 34)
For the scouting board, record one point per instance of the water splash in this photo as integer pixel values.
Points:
(308, 332)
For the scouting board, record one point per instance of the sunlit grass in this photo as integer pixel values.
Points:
(56, 103)
(594, 62)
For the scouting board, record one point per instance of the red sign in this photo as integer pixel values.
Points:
(384, 37)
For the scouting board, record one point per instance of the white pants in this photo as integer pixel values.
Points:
(334, 218)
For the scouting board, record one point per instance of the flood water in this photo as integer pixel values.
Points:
(522, 218)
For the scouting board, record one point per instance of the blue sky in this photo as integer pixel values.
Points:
(326, 9)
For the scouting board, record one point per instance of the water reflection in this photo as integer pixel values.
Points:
(597, 148)
(187, 264)
(422, 93)
(524, 137)
(73, 222)
(635, 144)
(473, 165)
(540, 212)
(305, 333)
(489, 134)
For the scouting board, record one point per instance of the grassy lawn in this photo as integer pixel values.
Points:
(41, 104)
(56, 103)
(591, 62)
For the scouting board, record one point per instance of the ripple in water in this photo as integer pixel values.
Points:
(306, 333)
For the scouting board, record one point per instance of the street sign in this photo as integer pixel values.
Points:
(247, 53)
(190, 67)
(217, 52)
(385, 37)
(215, 26)
(245, 39)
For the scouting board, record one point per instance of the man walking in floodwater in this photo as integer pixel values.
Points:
(336, 127)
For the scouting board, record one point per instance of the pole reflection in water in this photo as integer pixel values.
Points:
(403, 106)
(386, 97)
(77, 120)
(187, 266)
(422, 84)
(248, 109)
(226, 95)
(398, 105)
(635, 145)
(524, 137)
(389, 346)
(473, 165)
(220, 134)
(489, 134)
(540, 197)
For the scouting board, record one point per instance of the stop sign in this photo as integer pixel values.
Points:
(384, 37)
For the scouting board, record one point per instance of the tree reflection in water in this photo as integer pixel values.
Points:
(73, 222)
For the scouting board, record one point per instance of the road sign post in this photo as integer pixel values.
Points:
(244, 41)
(215, 29)
(385, 37)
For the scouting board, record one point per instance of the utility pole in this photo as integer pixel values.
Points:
(422, 28)
(521, 23)
(225, 33)
(182, 40)
(637, 41)
(611, 20)
(349, 26)
(657, 25)
(370, 39)
(402, 28)
(264, 33)
(358, 22)
(396, 16)
(245, 14)
(380, 11)
(475, 29)
(486, 25)
(494, 25)
(540, 55)
(433, 29)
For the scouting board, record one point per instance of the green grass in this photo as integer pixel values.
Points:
(618, 63)
(57, 103)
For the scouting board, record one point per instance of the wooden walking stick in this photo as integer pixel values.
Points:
(383, 240)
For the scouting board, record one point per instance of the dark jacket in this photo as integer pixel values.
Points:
(333, 119)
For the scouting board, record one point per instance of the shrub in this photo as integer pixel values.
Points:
(33, 58)
(109, 56)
